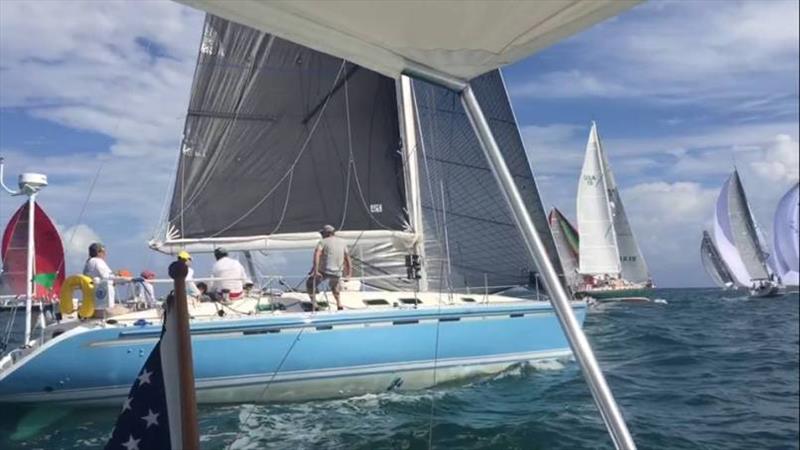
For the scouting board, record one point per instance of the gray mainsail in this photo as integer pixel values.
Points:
(713, 263)
(281, 139)
(479, 243)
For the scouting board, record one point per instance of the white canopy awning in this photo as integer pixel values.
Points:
(459, 39)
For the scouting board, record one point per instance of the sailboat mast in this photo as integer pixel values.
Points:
(30, 268)
(410, 156)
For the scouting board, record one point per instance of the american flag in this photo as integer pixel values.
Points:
(154, 398)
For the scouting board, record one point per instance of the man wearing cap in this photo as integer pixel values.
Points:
(233, 272)
(331, 261)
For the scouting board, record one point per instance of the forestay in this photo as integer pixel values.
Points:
(713, 263)
(281, 139)
(785, 237)
(447, 36)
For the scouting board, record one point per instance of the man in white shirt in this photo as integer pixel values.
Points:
(233, 271)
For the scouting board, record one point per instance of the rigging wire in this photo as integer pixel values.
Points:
(82, 211)
(350, 159)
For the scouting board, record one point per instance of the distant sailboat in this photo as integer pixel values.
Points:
(610, 257)
(714, 264)
(567, 245)
(739, 243)
(785, 239)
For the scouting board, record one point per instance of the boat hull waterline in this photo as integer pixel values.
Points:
(297, 357)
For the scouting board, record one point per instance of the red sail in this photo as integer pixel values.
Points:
(49, 252)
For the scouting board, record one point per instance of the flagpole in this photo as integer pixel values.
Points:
(189, 430)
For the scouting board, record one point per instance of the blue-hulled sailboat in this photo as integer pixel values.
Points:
(280, 139)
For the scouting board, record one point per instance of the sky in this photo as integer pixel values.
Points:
(94, 94)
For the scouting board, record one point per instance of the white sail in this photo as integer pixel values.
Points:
(786, 237)
(632, 263)
(599, 253)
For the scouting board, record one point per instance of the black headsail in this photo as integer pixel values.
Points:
(282, 139)
(482, 244)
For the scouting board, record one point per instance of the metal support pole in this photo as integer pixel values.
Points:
(603, 397)
(188, 404)
(29, 272)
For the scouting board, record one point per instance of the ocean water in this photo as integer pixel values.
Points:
(703, 371)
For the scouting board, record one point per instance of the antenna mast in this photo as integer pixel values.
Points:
(29, 184)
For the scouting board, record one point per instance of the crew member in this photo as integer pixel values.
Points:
(331, 261)
(235, 277)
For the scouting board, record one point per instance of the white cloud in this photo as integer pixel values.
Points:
(76, 240)
(699, 53)
(780, 162)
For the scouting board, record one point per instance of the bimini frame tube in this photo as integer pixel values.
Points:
(603, 397)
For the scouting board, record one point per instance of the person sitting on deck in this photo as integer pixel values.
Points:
(331, 260)
(203, 295)
(235, 277)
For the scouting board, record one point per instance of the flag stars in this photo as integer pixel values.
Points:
(132, 444)
(126, 405)
(151, 418)
(144, 378)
